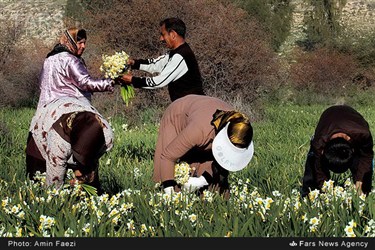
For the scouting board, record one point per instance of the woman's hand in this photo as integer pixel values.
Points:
(80, 178)
(74, 182)
(358, 187)
(127, 78)
(130, 61)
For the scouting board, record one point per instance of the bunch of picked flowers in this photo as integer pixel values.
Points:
(181, 172)
(115, 66)
(71, 179)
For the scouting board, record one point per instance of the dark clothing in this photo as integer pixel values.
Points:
(84, 131)
(178, 69)
(58, 49)
(340, 119)
(34, 159)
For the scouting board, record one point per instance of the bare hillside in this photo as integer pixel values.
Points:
(44, 18)
(38, 18)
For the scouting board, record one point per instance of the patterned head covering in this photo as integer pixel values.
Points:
(240, 130)
(70, 38)
(232, 146)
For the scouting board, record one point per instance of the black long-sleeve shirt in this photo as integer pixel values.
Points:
(178, 69)
(344, 119)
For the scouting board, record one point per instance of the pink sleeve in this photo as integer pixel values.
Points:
(82, 80)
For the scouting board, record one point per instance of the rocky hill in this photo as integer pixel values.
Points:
(39, 18)
(44, 18)
(358, 15)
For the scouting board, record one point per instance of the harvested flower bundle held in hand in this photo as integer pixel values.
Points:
(71, 179)
(115, 66)
(181, 172)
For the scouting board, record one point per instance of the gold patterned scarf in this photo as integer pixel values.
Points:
(240, 131)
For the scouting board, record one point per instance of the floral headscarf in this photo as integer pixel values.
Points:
(68, 41)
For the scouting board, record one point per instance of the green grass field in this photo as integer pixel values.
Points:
(265, 197)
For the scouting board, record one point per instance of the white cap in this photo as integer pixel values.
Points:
(229, 156)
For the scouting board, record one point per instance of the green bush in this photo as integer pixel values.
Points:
(275, 16)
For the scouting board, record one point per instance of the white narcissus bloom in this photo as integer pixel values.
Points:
(115, 216)
(313, 194)
(16, 209)
(352, 223)
(314, 221)
(143, 228)
(193, 218)
(126, 207)
(46, 222)
(328, 186)
(99, 214)
(297, 205)
(86, 228)
(68, 233)
(268, 202)
(21, 215)
(362, 197)
(208, 196)
(5, 202)
(18, 231)
(276, 193)
(130, 225)
(259, 201)
(349, 231)
(347, 182)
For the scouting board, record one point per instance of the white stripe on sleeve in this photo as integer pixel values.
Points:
(175, 69)
(155, 65)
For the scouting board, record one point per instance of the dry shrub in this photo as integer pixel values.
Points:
(323, 71)
(234, 54)
(21, 61)
(365, 79)
(236, 60)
